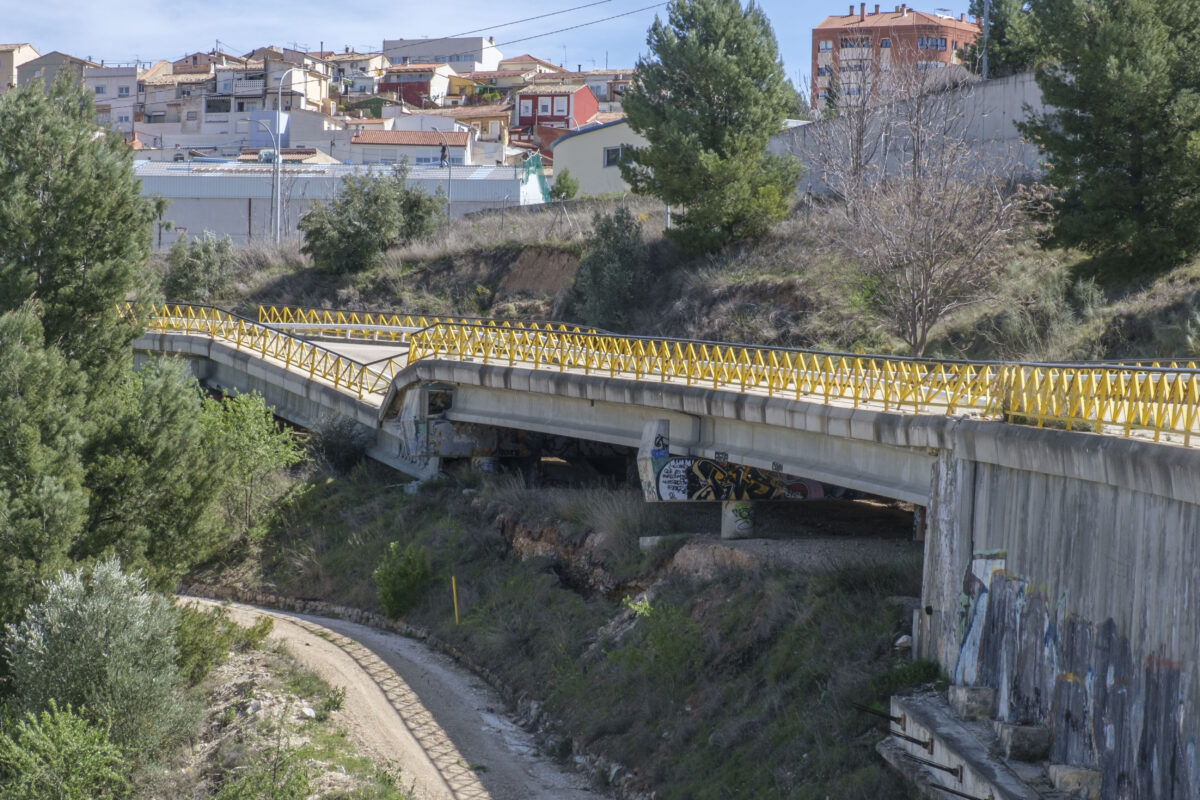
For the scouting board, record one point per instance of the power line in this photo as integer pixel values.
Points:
(571, 28)
(417, 42)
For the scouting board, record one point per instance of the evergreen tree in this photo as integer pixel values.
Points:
(43, 502)
(370, 214)
(612, 272)
(74, 228)
(708, 102)
(1011, 43)
(1121, 131)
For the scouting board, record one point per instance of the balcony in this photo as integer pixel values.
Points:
(248, 87)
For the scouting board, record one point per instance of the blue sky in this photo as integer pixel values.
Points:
(171, 28)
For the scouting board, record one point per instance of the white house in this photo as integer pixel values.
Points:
(593, 156)
(465, 54)
(419, 148)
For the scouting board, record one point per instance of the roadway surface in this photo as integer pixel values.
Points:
(411, 707)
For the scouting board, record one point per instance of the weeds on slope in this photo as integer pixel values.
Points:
(738, 685)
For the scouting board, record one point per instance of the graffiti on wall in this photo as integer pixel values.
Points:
(699, 479)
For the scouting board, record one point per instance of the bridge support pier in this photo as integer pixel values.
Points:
(737, 519)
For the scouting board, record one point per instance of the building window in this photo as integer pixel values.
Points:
(543, 105)
(100, 89)
(613, 156)
(854, 66)
(122, 91)
(822, 94)
(863, 41)
(885, 43)
(526, 108)
(852, 90)
(825, 46)
(931, 43)
(123, 118)
(822, 71)
(923, 66)
(560, 106)
(191, 116)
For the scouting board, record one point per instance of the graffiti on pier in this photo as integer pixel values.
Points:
(698, 479)
(701, 479)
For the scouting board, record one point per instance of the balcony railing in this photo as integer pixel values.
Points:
(248, 87)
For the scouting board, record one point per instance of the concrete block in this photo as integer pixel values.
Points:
(973, 702)
(1076, 780)
(1023, 742)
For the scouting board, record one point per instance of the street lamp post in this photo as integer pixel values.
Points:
(275, 145)
(279, 151)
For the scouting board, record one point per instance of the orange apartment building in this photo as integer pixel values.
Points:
(849, 51)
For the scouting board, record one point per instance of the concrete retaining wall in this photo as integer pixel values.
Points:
(1062, 570)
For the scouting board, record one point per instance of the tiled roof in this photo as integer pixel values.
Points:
(171, 80)
(534, 59)
(552, 89)
(416, 67)
(908, 17)
(484, 74)
(472, 112)
(411, 138)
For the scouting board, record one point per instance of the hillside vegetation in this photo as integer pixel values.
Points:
(794, 288)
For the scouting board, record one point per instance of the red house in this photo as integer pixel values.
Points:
(564, 106)
(418, 85)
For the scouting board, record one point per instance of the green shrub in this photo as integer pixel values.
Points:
(205, 638)
(198, 269)
(61, 756)
(565, 186)
(370, 214)
(105, 646)
(402, 578)
(612, 272)
(275, 772)
(342, 443)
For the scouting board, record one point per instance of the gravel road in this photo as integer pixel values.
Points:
(406, 704)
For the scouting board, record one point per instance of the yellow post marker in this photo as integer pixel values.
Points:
(454, 591)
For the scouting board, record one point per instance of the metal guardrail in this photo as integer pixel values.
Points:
(1106, 397)
(385, 326)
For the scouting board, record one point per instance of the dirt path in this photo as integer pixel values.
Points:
(410, 706)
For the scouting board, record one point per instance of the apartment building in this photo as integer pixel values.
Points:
(465, 54)
(46, 68)
(11, 57)
(853, 54)
(119, 93)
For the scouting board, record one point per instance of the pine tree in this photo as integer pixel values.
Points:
(74, 228)
(1121, 132)
(707, 103)
(1011, 44)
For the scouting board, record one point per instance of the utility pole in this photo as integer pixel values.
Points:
(987, 9)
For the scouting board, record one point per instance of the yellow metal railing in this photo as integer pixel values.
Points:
(384, 326)
(1106, 397)
(295, 353)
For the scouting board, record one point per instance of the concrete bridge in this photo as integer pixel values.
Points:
(1061, 502)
